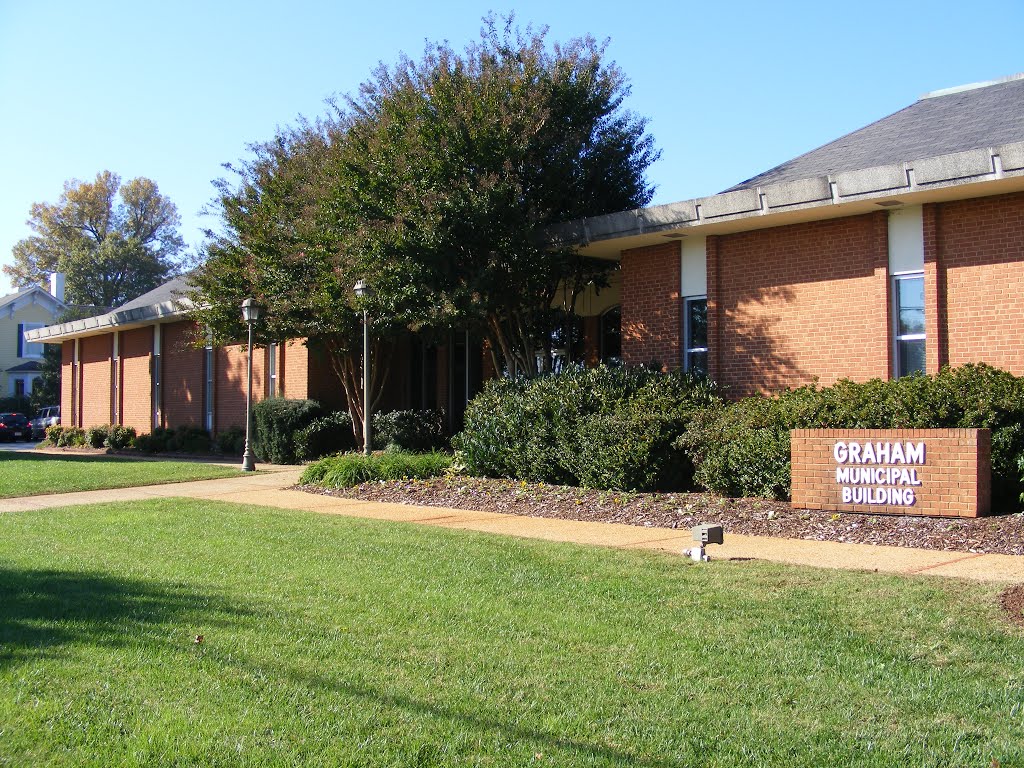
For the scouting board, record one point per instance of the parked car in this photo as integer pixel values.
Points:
(46, 417)
(15, 426)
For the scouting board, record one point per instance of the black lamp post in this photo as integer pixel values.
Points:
(363, 291)
(250, 314)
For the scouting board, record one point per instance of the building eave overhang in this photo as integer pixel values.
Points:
(975, 173)
(112, 321)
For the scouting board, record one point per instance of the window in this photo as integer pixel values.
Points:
(272, 390)
(695, 335)
(908, 297)
(208, 389)
(155, 373)
(25, 348)
(19, 387)
(611, 336)
(566, 342)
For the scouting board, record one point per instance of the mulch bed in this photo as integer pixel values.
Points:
(1001, 534)
(1012, 602)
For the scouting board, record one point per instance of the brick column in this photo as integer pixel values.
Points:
(715, 311)
(936, 343)
(651, 305)
(883, 297)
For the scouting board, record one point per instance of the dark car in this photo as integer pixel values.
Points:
(15, 426)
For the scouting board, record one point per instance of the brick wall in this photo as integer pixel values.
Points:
(96, 376)
(68, 406)
(230, 384)
(294, 370)
(979, 255)
(136, 349)
(651, 313)
(954, 479)
(790, 304)
(184, 375)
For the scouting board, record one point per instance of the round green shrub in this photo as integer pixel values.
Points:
(602, 427)
(277, 420)
(411, 430)
(324, 436)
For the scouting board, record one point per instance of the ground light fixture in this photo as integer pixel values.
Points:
(251, 312)
(363, 291)
(705, 534)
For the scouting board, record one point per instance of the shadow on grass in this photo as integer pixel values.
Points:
(43, 611)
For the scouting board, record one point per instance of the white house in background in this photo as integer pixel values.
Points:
(26, 310)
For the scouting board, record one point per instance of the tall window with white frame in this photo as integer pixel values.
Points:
(156, 373)
(272, 385)
(208, 389)
(695, 335)
(908, 322)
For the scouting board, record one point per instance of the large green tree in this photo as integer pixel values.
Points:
(435, 184)
(112, 241)
(454, 167)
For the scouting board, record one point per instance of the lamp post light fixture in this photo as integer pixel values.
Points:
(250, 314)
(363, 291)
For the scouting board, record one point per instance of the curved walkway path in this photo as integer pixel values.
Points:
(270, 487)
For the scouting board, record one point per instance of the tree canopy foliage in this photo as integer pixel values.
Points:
(434, 183)
(113, 242)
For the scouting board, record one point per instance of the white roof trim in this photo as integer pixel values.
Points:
(864, 185)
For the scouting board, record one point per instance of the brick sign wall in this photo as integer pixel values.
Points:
(943, 472)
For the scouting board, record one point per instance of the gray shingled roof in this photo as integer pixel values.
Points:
(172, 290)
(940, 124)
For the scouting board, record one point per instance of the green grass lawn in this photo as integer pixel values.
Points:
(31, 474)
(337, 642)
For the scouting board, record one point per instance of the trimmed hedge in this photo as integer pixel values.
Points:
(604, 427)
(277, 421)
(183, 439)
(742, 449)
(324, 436)
(231, 441)
(351, 469)
(415, 431)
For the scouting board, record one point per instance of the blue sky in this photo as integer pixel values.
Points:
(173, 90)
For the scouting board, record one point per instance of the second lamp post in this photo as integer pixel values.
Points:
(363, 291)
(250, 314)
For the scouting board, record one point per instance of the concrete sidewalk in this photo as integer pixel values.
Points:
(269, 488)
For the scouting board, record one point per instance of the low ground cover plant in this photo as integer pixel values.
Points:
(604, 427)
(351, 469)
(742, 448)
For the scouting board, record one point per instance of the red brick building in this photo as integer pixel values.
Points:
(898, 247)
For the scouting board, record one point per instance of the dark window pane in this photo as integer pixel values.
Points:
(697, 362)
(911, 355)
(697, 323)
(611, 335)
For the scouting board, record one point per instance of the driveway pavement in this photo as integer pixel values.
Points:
(271, 487)
(19, 446)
